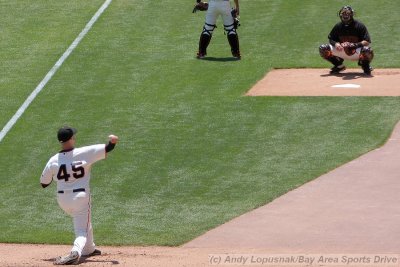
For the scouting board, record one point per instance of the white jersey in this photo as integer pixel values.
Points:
(71, 169)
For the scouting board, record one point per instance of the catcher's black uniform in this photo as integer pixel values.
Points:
(354, 32)
(349, 39)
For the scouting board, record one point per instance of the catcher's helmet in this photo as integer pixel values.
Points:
(346, 14)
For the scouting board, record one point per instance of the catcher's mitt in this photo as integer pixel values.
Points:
(349, 48)
(200, 6)
(236, 21)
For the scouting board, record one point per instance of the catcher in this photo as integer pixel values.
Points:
(230, 17)
(349, 39)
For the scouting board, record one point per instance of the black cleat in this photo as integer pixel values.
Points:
(236, 55)
(201, 55)
(96, 252)
(367, 70)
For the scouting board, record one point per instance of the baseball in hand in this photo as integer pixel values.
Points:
(113, 138)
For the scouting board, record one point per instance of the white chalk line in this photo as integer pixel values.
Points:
(52, 71)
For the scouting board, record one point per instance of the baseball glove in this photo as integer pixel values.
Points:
(349, 48)
(200, 6)
(236, 21)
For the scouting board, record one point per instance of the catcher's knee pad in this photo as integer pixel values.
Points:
(325, 51)
(230, 29)
(208, 29)
(366, 54)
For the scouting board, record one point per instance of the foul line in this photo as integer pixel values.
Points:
(52, 71)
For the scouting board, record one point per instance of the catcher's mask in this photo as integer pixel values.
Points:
(346, 14)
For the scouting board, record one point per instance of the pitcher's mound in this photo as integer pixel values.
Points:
(318, 82)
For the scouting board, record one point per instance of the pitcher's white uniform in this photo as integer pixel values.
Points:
(71, 170)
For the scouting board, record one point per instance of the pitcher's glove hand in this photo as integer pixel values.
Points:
(349, 48)
(200, 6)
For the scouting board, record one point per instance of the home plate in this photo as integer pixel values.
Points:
(346, 85)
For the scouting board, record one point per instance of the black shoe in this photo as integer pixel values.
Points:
(96, 252)
(236, 55)
(201, 55)
(367, 70)
(337, 69)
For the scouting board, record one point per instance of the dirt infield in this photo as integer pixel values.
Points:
(349, 213)
(318, 82)
(352, 209)
(43, 255)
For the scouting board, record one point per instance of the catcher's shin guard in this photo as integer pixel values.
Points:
(233, 40)
(205, 39)
(366, 56)
(203, 43)
(336, 61)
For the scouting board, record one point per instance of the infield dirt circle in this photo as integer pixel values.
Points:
(351, 212)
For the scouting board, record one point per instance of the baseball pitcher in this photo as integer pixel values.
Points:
(70, 168)
(349, 39)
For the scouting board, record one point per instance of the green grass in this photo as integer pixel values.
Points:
(194, 151)
(31, 42)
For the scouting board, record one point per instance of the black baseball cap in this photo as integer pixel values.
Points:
(65, 133)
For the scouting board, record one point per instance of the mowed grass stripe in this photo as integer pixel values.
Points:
(52, 71)
(34, 34)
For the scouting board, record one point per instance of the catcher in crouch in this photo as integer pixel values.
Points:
(349, 39)
(229, 16)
